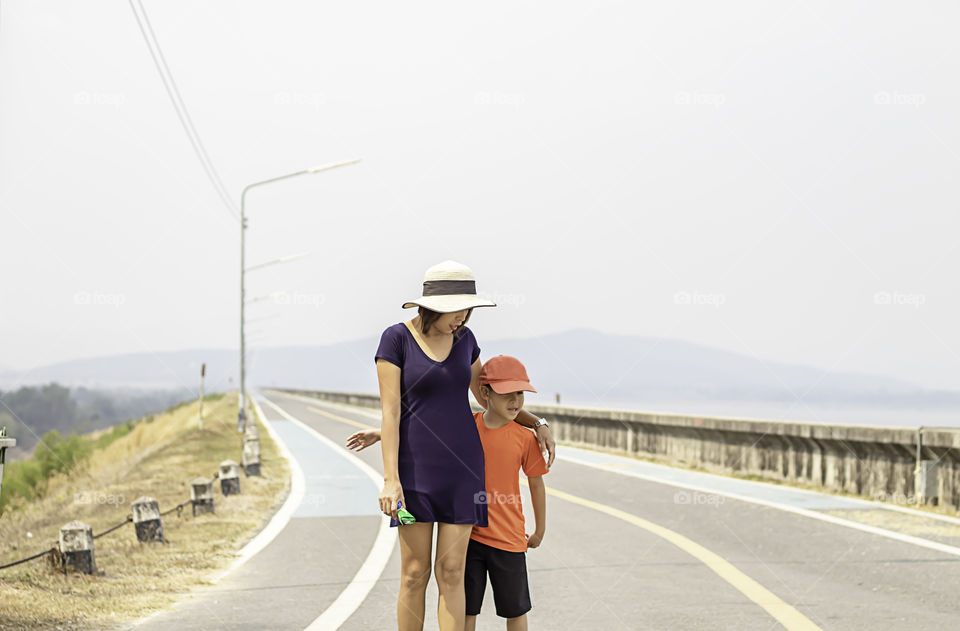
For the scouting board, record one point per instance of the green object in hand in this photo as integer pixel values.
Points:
(403, 515)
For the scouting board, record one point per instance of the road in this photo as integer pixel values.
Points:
(629, 545)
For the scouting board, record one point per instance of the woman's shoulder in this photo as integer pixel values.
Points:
(394, 330)
(393, 335)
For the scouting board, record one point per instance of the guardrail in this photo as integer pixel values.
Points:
(899, 464)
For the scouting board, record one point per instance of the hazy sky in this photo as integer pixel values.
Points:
(773, 178)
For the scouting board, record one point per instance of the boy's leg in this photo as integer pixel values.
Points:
(471, 624)
(474, 582)
(508, 578)
(517, 624)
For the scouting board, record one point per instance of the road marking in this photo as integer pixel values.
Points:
(280, 519)
(787, 615)
(338, 418)
(839, 521)
(369, 573)
(784, 613)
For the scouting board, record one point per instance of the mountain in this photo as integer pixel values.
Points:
(580, 364)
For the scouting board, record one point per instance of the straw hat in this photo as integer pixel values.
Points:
(447, 287)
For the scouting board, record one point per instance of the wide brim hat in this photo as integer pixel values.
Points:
(447, 287)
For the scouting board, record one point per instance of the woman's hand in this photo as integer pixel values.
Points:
(358, 441)
(389, 496)
(545, 438)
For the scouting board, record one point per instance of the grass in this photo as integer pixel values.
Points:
(158, 457)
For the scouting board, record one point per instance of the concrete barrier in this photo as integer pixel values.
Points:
(877, 462)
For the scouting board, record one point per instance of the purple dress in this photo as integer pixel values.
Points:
(440, 456)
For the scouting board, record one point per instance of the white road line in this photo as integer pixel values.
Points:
(277, 523)
(282, 516)
(839, 521)
(369, 573)
(917, 541)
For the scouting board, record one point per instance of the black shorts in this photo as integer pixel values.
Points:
(508, 577)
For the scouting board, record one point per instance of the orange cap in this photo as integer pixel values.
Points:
(505, 375)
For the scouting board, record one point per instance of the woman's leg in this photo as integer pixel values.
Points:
(416, 541)
(452, 542)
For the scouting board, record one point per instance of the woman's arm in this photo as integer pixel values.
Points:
(538, 494)
(388, 376)
(475, 383)
(544, 435)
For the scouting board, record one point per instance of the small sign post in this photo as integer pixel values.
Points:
(203, 372)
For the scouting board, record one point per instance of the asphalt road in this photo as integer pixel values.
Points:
(629, 545)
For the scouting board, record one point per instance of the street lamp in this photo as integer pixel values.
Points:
(242, 417)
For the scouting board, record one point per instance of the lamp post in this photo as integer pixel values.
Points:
(242, 416)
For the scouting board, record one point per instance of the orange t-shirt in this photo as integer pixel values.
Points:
(506, 450)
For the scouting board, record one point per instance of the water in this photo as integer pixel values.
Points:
(831, 414)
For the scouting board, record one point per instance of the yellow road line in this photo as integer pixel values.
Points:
(785, 614)
(342, 419)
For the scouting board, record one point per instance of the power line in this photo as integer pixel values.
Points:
(178, 105)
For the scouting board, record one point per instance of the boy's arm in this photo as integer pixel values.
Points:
(358, 441)
(538, 494)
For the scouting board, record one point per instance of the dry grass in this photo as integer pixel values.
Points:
(158, 458)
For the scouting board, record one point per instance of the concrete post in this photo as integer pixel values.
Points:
(229, 477)
(927, 487)
(201, 495)
(250, 457)
(76, 546)
(146, 519)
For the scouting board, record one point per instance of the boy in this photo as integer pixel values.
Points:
(499, 549)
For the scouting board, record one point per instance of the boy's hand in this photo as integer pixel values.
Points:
(358, 441)
(534, 540)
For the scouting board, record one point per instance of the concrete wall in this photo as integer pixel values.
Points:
(875, 462)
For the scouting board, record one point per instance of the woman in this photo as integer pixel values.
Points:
(432, 455)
